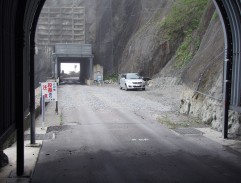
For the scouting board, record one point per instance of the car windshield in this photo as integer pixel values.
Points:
(132, 76)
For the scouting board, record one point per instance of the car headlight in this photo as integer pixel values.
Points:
(128, 82)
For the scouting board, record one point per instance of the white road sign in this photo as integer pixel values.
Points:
(49, 91)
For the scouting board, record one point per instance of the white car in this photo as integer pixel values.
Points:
(132, 81)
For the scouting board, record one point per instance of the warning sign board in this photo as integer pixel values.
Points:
(49, 91)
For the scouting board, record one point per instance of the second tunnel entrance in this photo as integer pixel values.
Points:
(74, 53)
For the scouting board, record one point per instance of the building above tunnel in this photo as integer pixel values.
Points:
(61, 25)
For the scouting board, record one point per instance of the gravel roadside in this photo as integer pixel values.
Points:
(160, 104)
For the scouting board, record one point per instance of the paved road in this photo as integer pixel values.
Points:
(70, 80)
(105, 140)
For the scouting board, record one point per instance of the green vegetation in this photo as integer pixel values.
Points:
(187, 50)
(113, 77)
(172, 125)
(180, 28)
(180, 123)
(215, 16)
(183, 18)
(181, 22)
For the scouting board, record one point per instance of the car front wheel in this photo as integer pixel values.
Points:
(126, 88)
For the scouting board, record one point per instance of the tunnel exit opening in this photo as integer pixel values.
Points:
(70, 73)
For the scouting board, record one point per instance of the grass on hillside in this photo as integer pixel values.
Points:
(182, 21)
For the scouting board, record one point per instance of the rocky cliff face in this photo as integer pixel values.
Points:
(157, 39)
(144, 51)
(203, 78)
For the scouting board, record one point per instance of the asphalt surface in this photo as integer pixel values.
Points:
(70, 80)
(105, 141)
